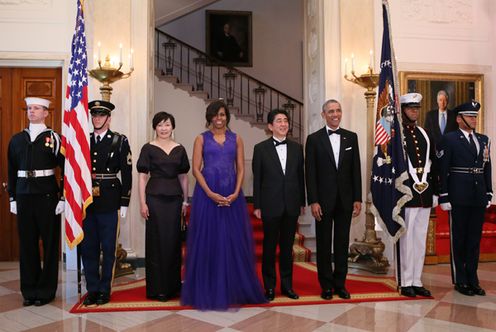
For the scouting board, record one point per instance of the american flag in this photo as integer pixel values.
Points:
(75, 137)
(389, 192)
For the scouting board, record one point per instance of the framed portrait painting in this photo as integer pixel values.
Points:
(459, 87)
(229, 37)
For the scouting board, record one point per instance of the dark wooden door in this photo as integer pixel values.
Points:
(15, 85)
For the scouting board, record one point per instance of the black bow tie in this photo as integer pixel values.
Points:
(279, 143)
(337, 132)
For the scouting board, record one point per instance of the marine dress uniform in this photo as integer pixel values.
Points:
(466, 189)
(421, 160)
(110, 154)
(33, 155)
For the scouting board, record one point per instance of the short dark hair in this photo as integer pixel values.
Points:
(212, 110)
(272, 115)
(163, 116)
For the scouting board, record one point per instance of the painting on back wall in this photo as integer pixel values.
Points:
(229, 37)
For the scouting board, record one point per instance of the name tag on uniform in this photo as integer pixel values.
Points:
(95, 191)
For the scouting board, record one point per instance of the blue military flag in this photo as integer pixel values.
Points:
(388, 190)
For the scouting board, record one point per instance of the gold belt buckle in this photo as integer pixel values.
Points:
(95, 191)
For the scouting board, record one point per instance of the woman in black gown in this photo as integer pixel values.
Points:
(163, 187)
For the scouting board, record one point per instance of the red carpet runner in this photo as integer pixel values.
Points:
(132, 296)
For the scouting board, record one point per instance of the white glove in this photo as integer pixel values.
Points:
(60, 207)
(487, 206)
(123, 211)
(446, 206)
(435, 201)
(13, 207)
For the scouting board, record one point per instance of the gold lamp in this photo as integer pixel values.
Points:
(367, 253)
(108, 73)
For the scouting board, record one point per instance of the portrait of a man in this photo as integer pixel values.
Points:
(228, 37)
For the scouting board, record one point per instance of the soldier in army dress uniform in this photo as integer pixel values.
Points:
(421, 161)
(33, 155)
(110, 154)
(466, 191)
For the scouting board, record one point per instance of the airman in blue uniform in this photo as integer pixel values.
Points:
(466, 191)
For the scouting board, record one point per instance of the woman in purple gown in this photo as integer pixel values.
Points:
(220, 257)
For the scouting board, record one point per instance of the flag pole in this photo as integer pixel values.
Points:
(78, 254)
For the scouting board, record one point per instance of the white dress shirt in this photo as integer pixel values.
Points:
(282, 153)
(335, 140)
(101, 135)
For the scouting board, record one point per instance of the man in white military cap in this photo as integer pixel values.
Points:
(421, 158)
(36, 198)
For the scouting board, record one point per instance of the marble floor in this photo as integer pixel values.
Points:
(448, 311)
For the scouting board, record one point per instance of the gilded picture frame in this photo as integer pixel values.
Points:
(460, 88)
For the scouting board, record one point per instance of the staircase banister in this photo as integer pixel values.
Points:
(229, 66)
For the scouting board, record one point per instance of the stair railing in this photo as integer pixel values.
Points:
(245, 95)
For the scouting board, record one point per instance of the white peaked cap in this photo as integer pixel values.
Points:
(37, 101)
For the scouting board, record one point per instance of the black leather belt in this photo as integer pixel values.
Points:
(467, 170)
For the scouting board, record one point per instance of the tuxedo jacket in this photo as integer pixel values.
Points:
(324, 180)
(431, 125)
(275, 192)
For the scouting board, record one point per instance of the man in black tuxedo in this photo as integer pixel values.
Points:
(334, 190)
(441, 121)
(279, 198)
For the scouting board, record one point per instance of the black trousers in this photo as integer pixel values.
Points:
(333, 235)
(278, 230)
(466, 231)
(36, 219)
(100, 233)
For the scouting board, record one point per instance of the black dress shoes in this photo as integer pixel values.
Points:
(90, 298)
(270, 294)
(326, 294)
(291, 294)
(464, 289)
(40, 302)
(478, 290)
(28, 302)
(408, 291)
(342, 293)
(103, 298)
(162, 298)
(421, 291)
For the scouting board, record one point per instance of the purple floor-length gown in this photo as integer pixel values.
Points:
(220, 257)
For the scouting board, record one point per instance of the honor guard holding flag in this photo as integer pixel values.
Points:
(466, 191)
(33, 155)
(423, 180)
(110, 154)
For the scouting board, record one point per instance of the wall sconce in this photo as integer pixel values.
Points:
(259, 102)
(109, 72)
(290, 107)
(230, 78)
(200, 63)
(169, 47)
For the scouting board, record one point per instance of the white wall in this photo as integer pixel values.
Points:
(277, 39)
(189, 114)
